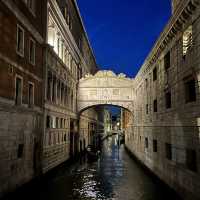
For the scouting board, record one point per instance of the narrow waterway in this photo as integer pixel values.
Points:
(115, 176)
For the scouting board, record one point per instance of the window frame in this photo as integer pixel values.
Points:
(33, 97)
(34, 45)
(21, 78)
(19, 27)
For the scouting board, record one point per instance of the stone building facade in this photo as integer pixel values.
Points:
(21, 78)
(165, 132)
(44, 51)
(68, 57)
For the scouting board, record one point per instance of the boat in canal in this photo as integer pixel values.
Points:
(92, 153)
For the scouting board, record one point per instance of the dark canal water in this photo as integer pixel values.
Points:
(115, 176)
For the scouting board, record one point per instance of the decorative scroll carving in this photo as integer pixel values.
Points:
(105, 87)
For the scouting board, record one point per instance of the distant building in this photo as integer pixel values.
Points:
(107, 121)
(126, 118)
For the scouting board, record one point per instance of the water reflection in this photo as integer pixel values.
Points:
(115, 176)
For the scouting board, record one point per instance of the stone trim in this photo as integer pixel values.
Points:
(14, 64)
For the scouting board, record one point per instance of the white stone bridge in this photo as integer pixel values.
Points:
(105, 88)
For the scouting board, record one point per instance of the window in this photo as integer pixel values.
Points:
(146, 143)
(168, 150)
(147, 109)
(191, 160)
(155, 146)
(65, 137)
(146, 83)
(190, 91)
(167, 61)
(155, 74)
(30, 4)
(155, 106)
(18, 91)
(57, 122)
(30, 94)
(32, 51)
(187, 40)
(58, 46)
(168, 103)
(20, 40)
(48, 122)
(20, 150)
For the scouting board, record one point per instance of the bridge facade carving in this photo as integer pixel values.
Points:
(105, 88)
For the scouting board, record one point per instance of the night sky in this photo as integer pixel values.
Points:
(122, 32)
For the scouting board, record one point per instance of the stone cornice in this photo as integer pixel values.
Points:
(180, 16)
(106, 74)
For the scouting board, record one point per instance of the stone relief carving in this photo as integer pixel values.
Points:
(105, 73)
(105, 87)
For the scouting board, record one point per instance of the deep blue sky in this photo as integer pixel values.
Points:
(122, 32)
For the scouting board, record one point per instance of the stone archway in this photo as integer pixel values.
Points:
(105, 88)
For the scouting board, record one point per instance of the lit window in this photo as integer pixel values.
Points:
(20, 40)
(32, 52)
(187, 40)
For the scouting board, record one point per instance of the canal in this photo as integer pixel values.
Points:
(115, 176)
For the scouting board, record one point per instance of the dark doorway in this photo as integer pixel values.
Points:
(81, 146)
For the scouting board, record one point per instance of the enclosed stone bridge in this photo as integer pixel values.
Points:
(105, 88)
